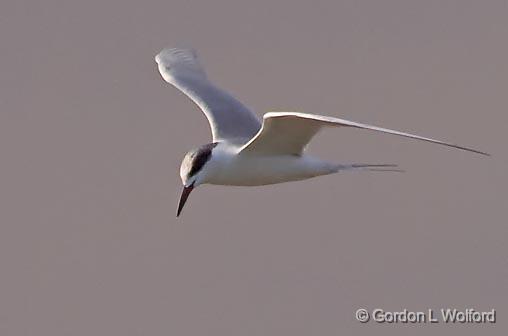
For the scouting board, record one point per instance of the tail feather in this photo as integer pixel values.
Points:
(370, 167)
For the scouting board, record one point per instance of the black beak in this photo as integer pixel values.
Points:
(183, 198)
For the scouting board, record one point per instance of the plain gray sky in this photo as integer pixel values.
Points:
(91, 140)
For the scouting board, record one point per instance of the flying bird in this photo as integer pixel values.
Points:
(245, 151)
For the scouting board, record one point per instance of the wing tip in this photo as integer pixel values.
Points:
(170, 55)
(471, 150)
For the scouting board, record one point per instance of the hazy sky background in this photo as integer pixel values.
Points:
(91, 141)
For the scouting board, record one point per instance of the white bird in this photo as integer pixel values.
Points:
(244, 151)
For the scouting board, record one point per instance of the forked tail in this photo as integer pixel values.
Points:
(370, 167)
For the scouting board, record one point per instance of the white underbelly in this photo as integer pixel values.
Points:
(256, 171)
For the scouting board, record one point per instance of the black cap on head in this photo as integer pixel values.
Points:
(196, 159)
(200, 157)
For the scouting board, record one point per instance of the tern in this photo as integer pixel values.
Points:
(245, 151)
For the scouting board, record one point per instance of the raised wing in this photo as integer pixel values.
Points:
(289, 133)
(229, 119)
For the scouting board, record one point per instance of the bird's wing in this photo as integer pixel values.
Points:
(289, 133)
(229, 119)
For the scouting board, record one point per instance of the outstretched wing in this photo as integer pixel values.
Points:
(229, 119)
(289, 133)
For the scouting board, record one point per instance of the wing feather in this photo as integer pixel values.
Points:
(289, 133)
(229, 118)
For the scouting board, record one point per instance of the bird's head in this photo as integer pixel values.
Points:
(193, 171)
